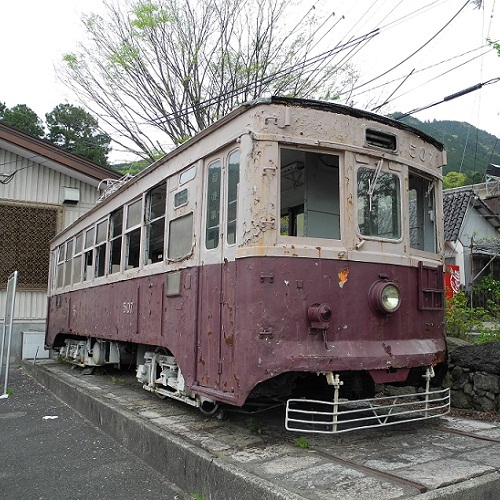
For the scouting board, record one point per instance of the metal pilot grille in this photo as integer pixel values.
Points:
(25, 233)
(431, 287)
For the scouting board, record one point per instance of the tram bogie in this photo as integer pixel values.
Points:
(90, 352)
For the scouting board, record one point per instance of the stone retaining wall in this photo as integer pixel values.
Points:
(474, 376)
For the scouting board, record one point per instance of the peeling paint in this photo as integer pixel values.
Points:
(343, 275)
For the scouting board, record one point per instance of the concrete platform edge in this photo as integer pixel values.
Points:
(193, 470)
(480, 488)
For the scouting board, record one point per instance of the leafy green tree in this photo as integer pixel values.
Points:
(134, 167)
(159, 71)
(3, 107)
(23, 118)
(453, 180)
(72, 128)
(494, 44)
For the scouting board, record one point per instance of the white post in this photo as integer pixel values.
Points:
(10, 299)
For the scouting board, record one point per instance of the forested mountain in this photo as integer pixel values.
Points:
(469, 149)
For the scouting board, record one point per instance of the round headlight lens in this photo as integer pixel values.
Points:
(390, 298)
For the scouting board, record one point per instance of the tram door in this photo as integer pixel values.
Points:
(215, 335)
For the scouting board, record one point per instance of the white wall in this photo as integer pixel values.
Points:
(36, 183)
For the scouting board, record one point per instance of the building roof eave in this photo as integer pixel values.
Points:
(54, 157)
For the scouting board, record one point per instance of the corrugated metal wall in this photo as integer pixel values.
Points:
(36, 183)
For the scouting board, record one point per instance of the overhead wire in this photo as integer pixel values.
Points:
(268, 78)
(407, 58)
(459, 66)
(451, 97)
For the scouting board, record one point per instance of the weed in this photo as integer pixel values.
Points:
(118, 380)
(302, 443)
(253, 426)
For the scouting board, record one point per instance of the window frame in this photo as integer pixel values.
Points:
(133, 231)
(400, 200)
(149, 223)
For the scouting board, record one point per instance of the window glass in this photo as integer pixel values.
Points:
(156, 202)
(79, 244)
(100, 249)
(62, 253)
(68, 263)
(180, 237)
(60, 265)
(133, 235)
(102, 228)
(77, 268)
(180, 198)
(134, 214)
(115, 247)
(133, 248)
(213, 205)
(77, 259)
(379, 203)
(422, 213)
(89, 238)
(187, 175)
(89, 255)
(232, 195)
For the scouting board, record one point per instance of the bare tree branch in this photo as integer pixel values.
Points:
(159, 71)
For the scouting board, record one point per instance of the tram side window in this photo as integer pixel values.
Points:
(115, 240)
(232, 195)
(155, 223)
(379, 203)
(100, 248)
(60, 265)
(310, 194)
(68, 263)
(133, 234)
(213, 206)
(422, 213)
(180, 237)
(77, 259)
(88, 263)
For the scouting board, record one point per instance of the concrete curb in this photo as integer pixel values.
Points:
(478, 488)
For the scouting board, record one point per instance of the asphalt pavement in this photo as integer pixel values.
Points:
(49, 452)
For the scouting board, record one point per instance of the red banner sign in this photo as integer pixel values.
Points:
(452, 280)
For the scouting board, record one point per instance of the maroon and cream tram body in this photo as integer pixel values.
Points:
(293, 248)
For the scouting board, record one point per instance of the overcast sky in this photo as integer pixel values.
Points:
(34, 35)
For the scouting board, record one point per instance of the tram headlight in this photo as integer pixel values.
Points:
(385, 297)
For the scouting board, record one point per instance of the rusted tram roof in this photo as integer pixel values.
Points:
(347, 110)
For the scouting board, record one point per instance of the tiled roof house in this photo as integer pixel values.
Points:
(471, 231)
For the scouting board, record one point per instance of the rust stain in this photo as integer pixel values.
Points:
(229, 341)
(343, 275)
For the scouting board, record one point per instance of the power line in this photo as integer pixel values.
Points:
(267, 78)
(412, 54)
(459, 66)
(451, 97)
